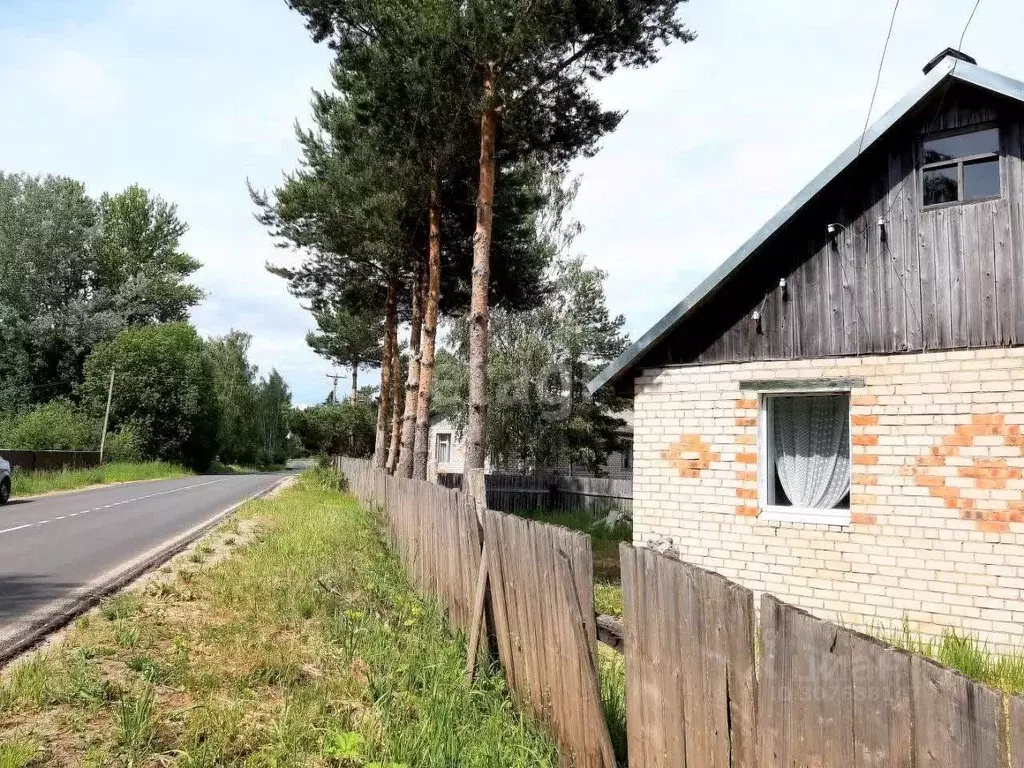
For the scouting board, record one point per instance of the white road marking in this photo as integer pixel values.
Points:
(8, 530)
(114, 504)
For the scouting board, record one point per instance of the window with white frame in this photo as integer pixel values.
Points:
(443, 448)
(805, 457)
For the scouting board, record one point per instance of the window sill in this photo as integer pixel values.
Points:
(958, 203)
(773, 514)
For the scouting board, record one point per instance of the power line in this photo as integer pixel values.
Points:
(878, 77)
(968, 24)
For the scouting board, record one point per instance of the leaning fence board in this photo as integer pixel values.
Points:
(956, 721)
(689, 648)
(551, 669)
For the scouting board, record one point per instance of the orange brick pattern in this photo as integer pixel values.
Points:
(690, 455)
(937, 470)
(937, 489)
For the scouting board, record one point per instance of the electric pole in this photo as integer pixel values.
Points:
(106, 416)
(334, 377)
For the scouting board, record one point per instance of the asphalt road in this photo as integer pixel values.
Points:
(52, 546)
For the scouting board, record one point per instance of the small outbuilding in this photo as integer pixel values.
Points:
(835, 414)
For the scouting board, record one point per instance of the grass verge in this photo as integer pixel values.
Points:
(251, 661)
(32, 483)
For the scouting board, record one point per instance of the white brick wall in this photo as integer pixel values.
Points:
(937, 496)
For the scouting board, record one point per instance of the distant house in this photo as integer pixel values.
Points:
(448, 453)
(835, 414)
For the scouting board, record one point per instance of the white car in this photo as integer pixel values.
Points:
(5, 481)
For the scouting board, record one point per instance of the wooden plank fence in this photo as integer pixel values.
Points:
(819, 695)
(543, 594)
(689, 647)
(551, 492)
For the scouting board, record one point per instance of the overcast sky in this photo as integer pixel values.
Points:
(191, 97)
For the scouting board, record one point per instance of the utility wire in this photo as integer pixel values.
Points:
(878, 77)
(968, 24)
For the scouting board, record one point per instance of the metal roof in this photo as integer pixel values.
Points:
(949, 68)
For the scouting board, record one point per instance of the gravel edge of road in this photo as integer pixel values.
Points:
(51, 617)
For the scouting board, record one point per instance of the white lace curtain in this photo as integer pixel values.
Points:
(812, 449)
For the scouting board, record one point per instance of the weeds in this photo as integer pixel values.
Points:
(612, 672)
(17, 754)
(120, 607)
(33, 483)
(964, 653)
(135, 724)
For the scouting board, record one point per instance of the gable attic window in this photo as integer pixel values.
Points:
(805, 457)
(960, 167)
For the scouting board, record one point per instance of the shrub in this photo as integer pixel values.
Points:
(125, 445)
(53, 426)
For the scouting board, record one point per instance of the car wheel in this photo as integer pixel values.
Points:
(5, 490)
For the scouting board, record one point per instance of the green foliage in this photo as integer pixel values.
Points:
(253, 413)
(162, 388)
(136, 727)
(125, 446)
(140, 263)
(17, 754)
(966, 654)
(74, 272)
(346, 745)
(540, 414)
(347, 428)
(347, 339)
(54, 426)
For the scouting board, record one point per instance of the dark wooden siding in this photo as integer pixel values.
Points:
(941, 279)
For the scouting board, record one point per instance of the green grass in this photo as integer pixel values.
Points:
(33, 483)
(251, 662)
(17, 754)
(964, 653)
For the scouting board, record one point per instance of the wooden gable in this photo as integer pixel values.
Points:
(936, 278)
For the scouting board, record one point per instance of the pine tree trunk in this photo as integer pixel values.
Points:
(380, 449)
(396, 405)
(412, 383)
(476, 429)
(427, 351)
(355, 381)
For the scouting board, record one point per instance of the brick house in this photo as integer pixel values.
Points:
(835, 415)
